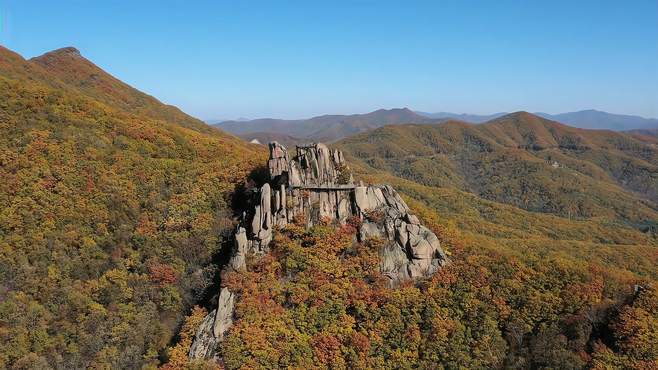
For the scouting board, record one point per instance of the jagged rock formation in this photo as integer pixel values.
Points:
(316, 185)
(413, 250)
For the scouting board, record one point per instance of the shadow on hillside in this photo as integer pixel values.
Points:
(242, 200)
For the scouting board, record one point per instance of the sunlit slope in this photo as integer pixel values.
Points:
(525, 161)
(109, 218)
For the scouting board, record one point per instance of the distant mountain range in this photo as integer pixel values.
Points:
(330, 128)
(472, 118)
(327, 128)
(594, 119)
(590, 119)
(266, 137)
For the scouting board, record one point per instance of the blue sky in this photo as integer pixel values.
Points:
(292, 59)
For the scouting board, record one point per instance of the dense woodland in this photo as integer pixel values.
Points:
(318, 300)
(523, 160)
(115, 211)
(110, 220)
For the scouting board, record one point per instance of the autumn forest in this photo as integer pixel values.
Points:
(129, 230)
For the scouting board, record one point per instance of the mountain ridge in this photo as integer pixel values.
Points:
(325, 128)
(522, 155)
(72, 68)
(111, 216)
(587, 118)
(330, 128)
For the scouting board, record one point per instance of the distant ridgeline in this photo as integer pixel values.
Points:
(312, 187)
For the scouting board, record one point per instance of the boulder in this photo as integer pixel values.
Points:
(412, 250)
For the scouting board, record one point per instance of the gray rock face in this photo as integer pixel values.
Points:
(224, 316)
(278, 163)
(412, 250)
(261, 223)
(313, 187)
(239, 258)
(205, 343)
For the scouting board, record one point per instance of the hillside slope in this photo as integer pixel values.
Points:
(527, 288)
(523, 160)
(326, 128)
(648, 135)
(522, 290)
(112, 210)
(72, 68)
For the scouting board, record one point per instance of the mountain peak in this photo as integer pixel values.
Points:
(68, 51)
(394, 110)
(520, 115)
(404, 110)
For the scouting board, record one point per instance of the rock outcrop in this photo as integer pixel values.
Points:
(205, 343)
(316, 186)
(413, 250)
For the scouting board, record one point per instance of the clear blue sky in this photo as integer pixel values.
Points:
(295, 59)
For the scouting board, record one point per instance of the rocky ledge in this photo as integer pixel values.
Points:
(316, 186)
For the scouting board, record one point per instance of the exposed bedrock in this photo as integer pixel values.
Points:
(314, 186)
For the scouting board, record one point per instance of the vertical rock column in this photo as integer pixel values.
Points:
(215, 325)
(278, 162)
(261, 224)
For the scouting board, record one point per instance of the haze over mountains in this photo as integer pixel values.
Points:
(591, 119)
(330, 128)
(325, 128)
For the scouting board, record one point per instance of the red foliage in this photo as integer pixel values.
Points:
(162, 274)
(354, 221)
(326, 347)
(360, 342)
(90, 184)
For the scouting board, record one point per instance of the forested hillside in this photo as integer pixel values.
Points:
(113, 206)
(72, 68)
(114, 209)
(526, 161)
(524, 289)
(318, 299)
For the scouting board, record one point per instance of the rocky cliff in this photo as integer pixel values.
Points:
(315, 185)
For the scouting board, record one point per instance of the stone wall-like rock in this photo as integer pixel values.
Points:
(312, 187)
